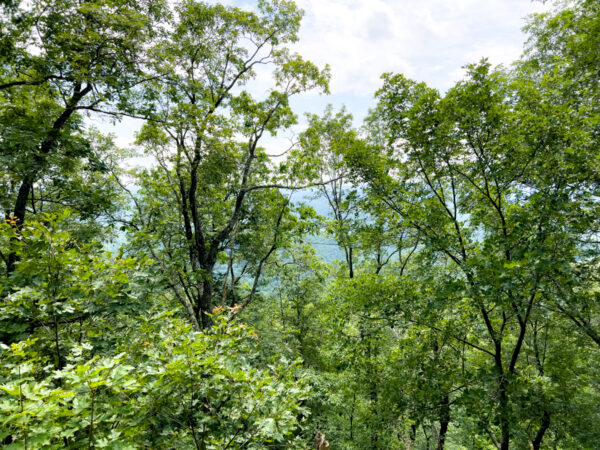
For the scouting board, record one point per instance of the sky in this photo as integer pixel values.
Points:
(426, 40)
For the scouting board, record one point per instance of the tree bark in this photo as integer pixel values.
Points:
(537, 442)
(444, 421)
(204, 307)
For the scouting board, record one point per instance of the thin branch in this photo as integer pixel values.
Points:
(291, 188)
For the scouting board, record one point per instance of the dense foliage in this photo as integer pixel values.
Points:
(457, 305)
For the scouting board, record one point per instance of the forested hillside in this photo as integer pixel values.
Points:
(461, 311)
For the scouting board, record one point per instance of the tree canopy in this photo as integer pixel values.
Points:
(448, 298)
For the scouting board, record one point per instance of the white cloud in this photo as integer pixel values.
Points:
(427, 39)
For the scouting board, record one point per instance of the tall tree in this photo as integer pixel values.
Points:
(205, 135)
(319, 158)
(59, 59)
(562, 56)
(469, 173)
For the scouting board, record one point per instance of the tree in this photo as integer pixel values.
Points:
(60, 59)
(561, 57)
(561, 53)
(205, 136)
(469, 173)
(318, 159)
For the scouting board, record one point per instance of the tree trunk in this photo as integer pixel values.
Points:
(204, 306)
(504, 422)
(444, 421)
(19, 212)
(350, 263)
(537, 442)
